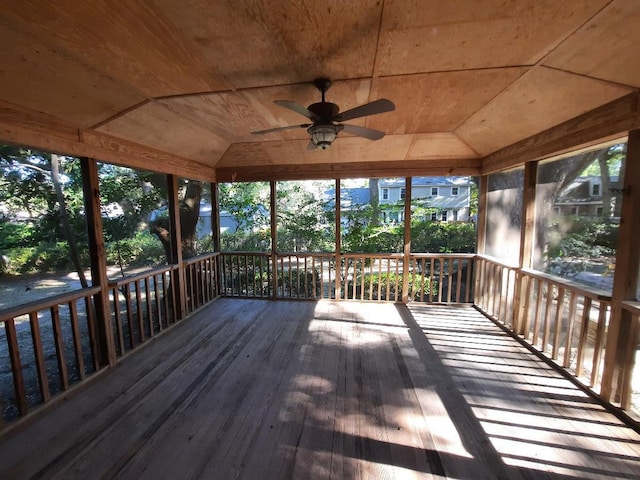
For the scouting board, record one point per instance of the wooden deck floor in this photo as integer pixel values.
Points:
(269, 390)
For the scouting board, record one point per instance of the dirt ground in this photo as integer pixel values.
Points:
(17, 290)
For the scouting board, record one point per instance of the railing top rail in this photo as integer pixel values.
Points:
(139, 276)
(306, 254)
(594, 294)
(48, 302)
(255, 254)
(499, 261)
(202, 256)
(578, 288)
(373, 255)
(443, 255)
(632, 306)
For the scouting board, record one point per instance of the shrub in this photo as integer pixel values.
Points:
(45, 257)
(141, 249)
(13, 235)
(442, 237)
(582, 237)
(418, 286)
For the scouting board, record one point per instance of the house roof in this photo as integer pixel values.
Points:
(178, 86)
(426, 181)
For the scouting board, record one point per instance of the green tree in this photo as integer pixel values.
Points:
(303, 218)
(41, 208)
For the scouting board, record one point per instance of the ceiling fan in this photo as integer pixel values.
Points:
(327, 118)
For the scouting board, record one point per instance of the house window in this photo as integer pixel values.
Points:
(599, 211)
(402, 193)
(574, 210)
(385, 194)
(434, 216)
(454, 190)
(595, 190)
(434, 191)
(444, 215)
(455, 215)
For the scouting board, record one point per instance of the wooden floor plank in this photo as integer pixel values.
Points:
(261, 389)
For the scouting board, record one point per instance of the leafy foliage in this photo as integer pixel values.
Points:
(440, 237)
(30, 220)
(582, 237)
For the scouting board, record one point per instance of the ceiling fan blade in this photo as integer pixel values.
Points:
(296, 107)
(364, 132)
(278, 129)
(372, 108)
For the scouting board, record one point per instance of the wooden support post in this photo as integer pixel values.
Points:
(98, 258)
(528, 214)
(215, 232)
(526, 242)
(215, 216)
(619, 355)
(407, 241)
(481, 234)
(274, 240)
(338, 242)
(178, 277)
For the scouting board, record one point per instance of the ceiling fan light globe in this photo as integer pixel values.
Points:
(322, 136)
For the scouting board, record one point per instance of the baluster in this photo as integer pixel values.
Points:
(43, 380)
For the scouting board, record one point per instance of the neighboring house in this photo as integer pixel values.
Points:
(227, 223)
(583, 196)
(447, 198)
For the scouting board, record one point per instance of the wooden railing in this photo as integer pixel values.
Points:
(368, 276)
(46, 346)
(433, 278)
(305, 275)
(246, 274)
(630, 384)
(441, 278)
(201, 276)
(298, 275)
(141, 306)
(561, 319)
(49, 345)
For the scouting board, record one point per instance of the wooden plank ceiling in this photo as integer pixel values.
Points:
(191, 80)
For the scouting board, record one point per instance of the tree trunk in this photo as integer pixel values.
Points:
(374, 199)
(189, 215)
(64, 219)
(605, 187)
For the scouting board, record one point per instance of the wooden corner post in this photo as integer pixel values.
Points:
(215, 235)
(620, 346)
(526, 245)
(406, 253)
(177, 277)
(338, 242)
(106, 353)
(274, 239)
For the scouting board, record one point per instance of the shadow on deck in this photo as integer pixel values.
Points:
(263, 389)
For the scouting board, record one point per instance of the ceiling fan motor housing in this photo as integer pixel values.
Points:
(325, 111)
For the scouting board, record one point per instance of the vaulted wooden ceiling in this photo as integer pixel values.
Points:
(179, 85)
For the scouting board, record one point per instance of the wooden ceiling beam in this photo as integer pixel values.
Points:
(610, 121)
(20, 126)
(349, 170)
